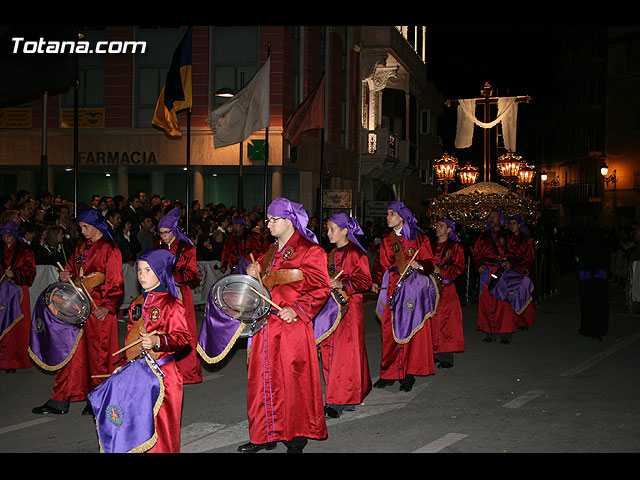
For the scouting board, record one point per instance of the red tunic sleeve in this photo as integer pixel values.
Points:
(355, 264)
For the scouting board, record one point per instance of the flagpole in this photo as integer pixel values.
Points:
(266, 152)
(188, 167)
(321, 219)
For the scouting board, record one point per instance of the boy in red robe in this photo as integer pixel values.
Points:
(93, 359)
(523, 259)
(284, 391)
(344, 355)
(401, 361)
(163, 312)
(447, 332)
(185, 274)
(495, 316)
(17, 266)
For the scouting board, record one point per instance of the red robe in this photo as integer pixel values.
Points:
(494, 316)
(416, 356)
(344, 356)
(93, 355)
(447, 328)
(284, 390)
(14, 346)
(185, 272)
(240, 246)
(522, 259)
(163, 312)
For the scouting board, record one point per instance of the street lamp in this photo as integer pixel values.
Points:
(604, 170)
(445, 168)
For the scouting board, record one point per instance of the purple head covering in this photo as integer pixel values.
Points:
(520, 220)
(161, 262)
(351, 224)
(10, 228)
(500, 214)
(452, 225)
(240, 220)
(170, 221)
(410, 228)
(94, 217)
(281, 207)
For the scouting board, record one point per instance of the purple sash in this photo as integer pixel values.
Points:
(382, 295)
(10, 308)
(328, 318)
(241, 266)
(218, 333)
(125, 406)
(515, 289)
(416, 301)
(52, 341)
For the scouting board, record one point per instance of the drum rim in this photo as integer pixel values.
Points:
(247, 279)
(83, 295)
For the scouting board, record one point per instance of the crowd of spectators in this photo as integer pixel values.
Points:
(47, 224)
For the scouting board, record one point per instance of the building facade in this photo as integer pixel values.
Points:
(378, 141)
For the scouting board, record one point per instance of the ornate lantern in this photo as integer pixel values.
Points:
(509, 167)
(526, 175)
(468, 174)
(445, 168)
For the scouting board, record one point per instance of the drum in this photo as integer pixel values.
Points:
(68, 303)
(234, 295)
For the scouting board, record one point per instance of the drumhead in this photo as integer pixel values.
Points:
(234, 296)
(67, 303)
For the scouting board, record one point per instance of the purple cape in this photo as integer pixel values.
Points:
(125, 406)
(328, 318)
(351, 224)
(218, 332)
(281, 207)
(52, 341)
(515, 289)
(170, 221)
(161, 262)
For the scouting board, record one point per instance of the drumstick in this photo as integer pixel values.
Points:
(83, 287)
(259, 275)
(339, 273)
(132, 344)
(409, 264)
(265, 298)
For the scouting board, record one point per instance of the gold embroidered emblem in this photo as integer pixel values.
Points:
(288, 253)
(410, 252)
(154, 314)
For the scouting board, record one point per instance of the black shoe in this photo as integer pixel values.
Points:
(488, 339)
(407, 384)
(505, 341)
(10, 370)
(331, 412)
(87, 410)
(443, 364)
(46, 408)
(524, 329)
(294, 450)
(381, 383)
(256, 447)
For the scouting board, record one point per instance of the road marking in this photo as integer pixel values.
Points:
(601, 356)
(19, 426)
(442, 443)
(206, 436)
(522, 399)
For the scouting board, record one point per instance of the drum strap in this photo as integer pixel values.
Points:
(396, 246)
(16, 250)
(268, 258)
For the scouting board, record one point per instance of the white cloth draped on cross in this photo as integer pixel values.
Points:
(507, 115)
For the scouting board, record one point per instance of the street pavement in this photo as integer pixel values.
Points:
(550, 391)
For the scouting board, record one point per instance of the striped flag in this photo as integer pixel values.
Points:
(176, 93)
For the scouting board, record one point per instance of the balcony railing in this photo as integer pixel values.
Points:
(576, 192)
